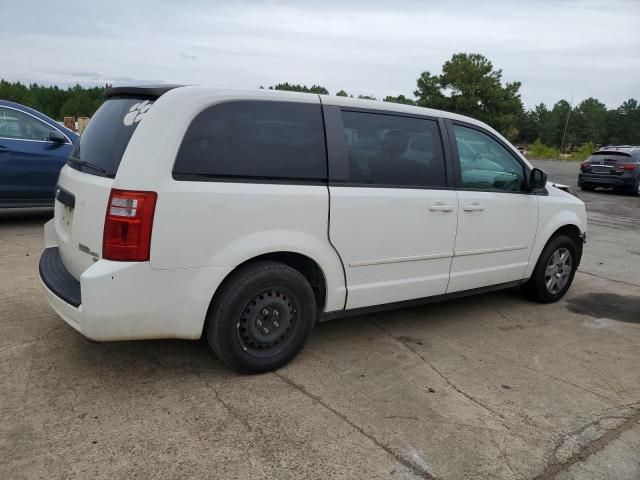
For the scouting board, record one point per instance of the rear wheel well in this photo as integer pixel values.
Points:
(574, 233)
(303, 264)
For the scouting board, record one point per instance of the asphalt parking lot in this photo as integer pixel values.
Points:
(489, 387)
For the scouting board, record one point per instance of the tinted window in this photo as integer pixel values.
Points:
(611, 158)
(18, 125)
(107, 135)
(485, 164)
(390, 150)
(258, 139)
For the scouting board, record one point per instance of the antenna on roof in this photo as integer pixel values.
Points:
(566, 124)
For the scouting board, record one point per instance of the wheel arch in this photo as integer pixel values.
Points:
(307, 266)
(571, 230)
(574, 233)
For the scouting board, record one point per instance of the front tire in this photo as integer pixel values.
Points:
(554, 272)
(261, 318)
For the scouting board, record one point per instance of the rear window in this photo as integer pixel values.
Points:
(107, 135)
(611, 157)
(254, 140)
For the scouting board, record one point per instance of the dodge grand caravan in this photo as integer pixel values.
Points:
(247, 216)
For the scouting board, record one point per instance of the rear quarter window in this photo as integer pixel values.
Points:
(254, 140)
(104, 141)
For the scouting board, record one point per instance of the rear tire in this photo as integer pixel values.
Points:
(636, 190)
(261, 318)
(554, 272)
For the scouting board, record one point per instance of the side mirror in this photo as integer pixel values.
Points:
(56, 137)
(537, 180)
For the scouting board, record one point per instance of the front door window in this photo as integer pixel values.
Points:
(485, 164)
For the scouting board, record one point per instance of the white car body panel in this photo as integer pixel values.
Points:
(85, 226)
(386, 242)
(556, 210)
(132, 301)
(393, 246)
(496, 232)
(241, 221)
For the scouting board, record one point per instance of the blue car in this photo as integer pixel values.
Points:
(33, 149)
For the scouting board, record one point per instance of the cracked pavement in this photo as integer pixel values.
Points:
(486, 387)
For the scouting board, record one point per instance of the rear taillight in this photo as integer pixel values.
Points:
(626, 166)
(583, 165)
(127, 226)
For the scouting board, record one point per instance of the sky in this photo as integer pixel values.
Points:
(557, 49)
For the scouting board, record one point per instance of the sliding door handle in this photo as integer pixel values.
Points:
(473, 207)
(441, 207)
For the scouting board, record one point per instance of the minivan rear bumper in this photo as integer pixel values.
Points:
(57, 278)
(130, 300)
(63, 291)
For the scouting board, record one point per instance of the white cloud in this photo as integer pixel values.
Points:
(555, 49)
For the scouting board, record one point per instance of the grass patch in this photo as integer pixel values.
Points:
(583, 153)
(541, 151)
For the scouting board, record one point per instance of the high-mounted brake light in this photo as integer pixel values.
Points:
(128, 225)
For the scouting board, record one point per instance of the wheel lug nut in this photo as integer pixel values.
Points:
(276, 313)
(265, 331)
(276, 324)
(258, 323)
(265, 311)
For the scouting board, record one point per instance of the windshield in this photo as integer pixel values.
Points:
(107, 135)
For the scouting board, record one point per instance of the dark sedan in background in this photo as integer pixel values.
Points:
(612, 167)
(33, 149)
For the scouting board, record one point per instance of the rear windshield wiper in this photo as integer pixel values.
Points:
(89, 164)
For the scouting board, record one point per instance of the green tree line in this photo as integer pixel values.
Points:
(467, 84)
(53, 101)
(470, 85)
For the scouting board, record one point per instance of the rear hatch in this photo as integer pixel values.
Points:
(606, 163)
(85, 182)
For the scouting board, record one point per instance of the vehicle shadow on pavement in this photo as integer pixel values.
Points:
(142, 360)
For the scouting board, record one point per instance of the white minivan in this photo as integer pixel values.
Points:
(247, 216)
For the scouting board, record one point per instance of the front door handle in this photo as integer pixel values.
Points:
(3, 149)
(473, 207)
(441, 207)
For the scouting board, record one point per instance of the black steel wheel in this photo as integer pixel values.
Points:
(261, 317)
(268, 322)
